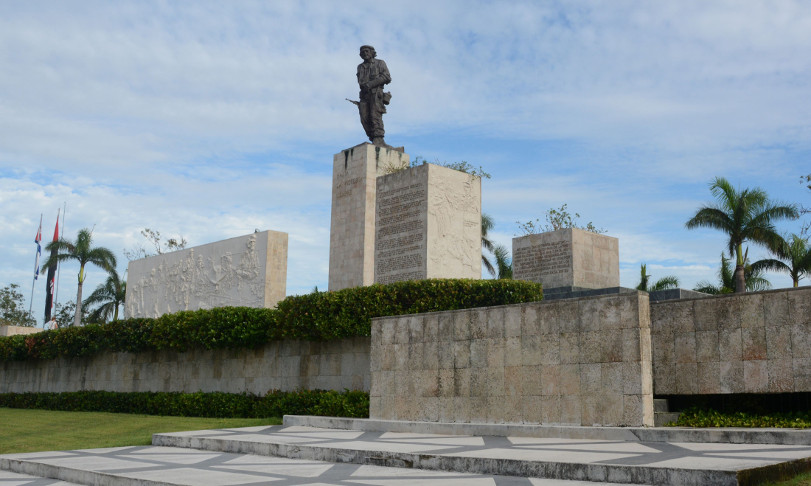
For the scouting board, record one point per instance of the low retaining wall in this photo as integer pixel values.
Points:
(739, 343)
(280, 365)
(581, 362)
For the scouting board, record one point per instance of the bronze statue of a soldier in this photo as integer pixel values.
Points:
(373, 75)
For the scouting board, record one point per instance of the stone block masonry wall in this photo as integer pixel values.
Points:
(741, 343)
(428, 225)
(567, 257)
(281, 365)
(352, 226)
(580, 362)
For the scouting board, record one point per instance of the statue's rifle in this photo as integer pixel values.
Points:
(356, 103)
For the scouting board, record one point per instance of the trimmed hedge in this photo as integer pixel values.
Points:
(214, 405)
(707, 417)
(316, 316)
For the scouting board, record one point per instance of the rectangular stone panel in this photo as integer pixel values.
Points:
(567, 257)
(428, 225)
(249, 271)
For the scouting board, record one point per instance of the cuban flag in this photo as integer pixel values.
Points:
(37, 239)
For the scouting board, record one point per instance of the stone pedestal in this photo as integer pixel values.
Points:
(567, 257)
(428, 225)
(249, 271)
(352, 228)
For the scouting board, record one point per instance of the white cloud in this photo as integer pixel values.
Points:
(211, 119)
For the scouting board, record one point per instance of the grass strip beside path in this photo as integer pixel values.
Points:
(24, 430)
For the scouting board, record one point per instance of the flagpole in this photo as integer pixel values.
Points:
(37, 239)
(59, 266)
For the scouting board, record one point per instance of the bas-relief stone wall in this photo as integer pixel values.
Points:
(352, 229)
(580, 362)
(567, 257)
(280, 365)
(428, 225)
(14, 330)
(249, 271)
(745, 343)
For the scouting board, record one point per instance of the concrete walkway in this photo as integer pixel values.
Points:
(147, 466)
(612, 461)
(300, 454)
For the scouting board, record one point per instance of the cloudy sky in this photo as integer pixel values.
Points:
(208, 120)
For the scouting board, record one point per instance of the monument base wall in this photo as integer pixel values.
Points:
(576, 362)
(756, 342)
(280, 365)
(568, 257)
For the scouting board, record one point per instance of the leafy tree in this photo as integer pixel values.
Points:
(156, 241)
(664, 283)
(744, 215)
(64, 313)
(794, 258)
(109, 296)
(556, 219)
(12, 307)
(81, 251)
(460, 166)
(726, 279)
(487, 244)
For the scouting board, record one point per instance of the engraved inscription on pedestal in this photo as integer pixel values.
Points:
(428, 225)
(400, 246)
(567, 258)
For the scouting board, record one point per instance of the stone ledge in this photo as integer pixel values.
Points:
(629, 434)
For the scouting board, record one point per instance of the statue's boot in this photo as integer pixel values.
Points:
(379, 142)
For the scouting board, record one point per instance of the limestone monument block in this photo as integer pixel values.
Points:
(249, 271)
(568, 257)
(352, 228)
(428, 225)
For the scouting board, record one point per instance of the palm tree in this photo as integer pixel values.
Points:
(664, 283)
(744, 215)
(81, 251)
(487, 243)
(726, 277)
(110, 295)
(503, 262)
(796, 259)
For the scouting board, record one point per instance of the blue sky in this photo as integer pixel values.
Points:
(212, 119)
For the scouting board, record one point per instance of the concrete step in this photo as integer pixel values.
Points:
(162, 466)
(604, 460)
(660, 419)
(660, 405)
(632, 434)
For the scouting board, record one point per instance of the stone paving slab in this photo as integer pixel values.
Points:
(8, 478)
(153, 466)
(614, 461)
(644, 434)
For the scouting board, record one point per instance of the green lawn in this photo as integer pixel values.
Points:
(23, 430)
(801, 480)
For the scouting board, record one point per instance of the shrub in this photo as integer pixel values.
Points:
(708, 417)
(316, 316)
(213, 405)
